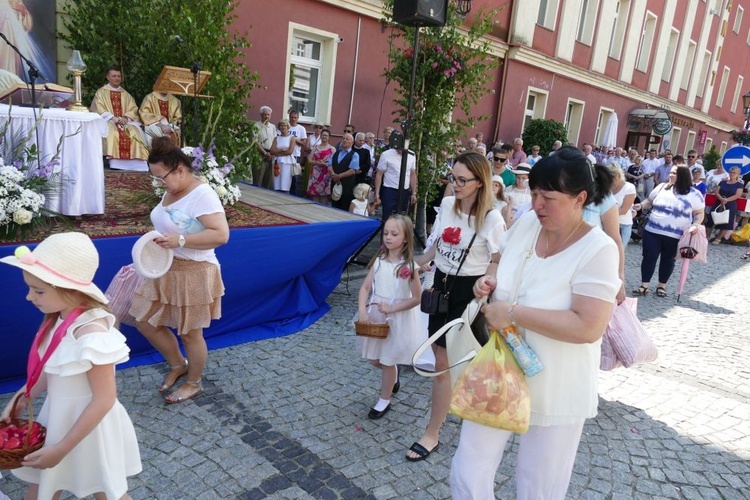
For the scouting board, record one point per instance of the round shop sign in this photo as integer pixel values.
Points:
(662, 126)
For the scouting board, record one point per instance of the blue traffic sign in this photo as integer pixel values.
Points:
(737, 156)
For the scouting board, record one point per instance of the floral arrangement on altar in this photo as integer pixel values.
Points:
(206, 168)
(24, 182)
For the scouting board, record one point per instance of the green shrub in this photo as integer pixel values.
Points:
(543, 133)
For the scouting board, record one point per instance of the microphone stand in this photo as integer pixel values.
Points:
(195, 67)
(33, 71)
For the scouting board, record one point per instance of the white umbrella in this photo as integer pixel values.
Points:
(610, 133)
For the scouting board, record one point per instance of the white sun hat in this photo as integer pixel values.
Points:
(63, 260)
(150, 260)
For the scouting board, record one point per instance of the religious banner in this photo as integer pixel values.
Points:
(30, 26)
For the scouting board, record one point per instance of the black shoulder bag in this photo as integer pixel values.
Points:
(436, 301)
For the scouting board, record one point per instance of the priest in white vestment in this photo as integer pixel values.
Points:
(161, 114)
(125, 140)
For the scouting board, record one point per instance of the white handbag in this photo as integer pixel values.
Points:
(720, 215)
(460, 342)
(296, 169)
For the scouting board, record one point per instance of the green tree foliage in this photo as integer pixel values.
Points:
(711, 158)
(138, 35)
(453, 70)
(543, 133)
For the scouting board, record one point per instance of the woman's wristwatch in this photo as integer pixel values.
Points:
(181, 240)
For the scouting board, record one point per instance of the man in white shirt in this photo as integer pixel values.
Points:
(262, 174)
(649, 166)
(300, 133)
(588, 151)
(692, 163)
(387, 177)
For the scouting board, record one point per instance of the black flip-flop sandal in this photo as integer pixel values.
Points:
(421, 451)
(661, 291)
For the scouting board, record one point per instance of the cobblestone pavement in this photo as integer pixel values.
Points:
(286, 418)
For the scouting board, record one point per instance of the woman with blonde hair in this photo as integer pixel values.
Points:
(624, 193)
(467, 232)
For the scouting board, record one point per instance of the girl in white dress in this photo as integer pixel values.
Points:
(91, 446)
(361, 205)
(391, 292)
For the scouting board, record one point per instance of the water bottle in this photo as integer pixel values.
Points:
(525, 356)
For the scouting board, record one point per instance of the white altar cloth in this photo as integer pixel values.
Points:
(80, 190)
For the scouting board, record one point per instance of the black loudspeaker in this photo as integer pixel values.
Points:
(396, 140)
(420, 12)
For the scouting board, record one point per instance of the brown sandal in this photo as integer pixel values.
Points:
(641, 291)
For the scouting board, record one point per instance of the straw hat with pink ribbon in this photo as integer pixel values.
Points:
(64, 260)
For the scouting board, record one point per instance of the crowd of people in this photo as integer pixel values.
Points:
(543, 236)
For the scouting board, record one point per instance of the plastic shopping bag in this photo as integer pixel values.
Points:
(492, 390)
(742, 234)
(630, 341)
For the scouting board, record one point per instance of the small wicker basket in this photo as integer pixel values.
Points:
(374, 330)
(11, 459)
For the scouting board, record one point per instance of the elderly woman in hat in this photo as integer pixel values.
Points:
(191, 219)
(556, 282)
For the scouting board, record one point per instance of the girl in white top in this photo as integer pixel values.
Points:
(283, 148)
(361, 205)
(500, 204)
(390, 293)
(91, 446)
(556, 282)
(624, 193)
(518, 194)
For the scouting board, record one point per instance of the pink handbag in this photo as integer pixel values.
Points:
(629, 340)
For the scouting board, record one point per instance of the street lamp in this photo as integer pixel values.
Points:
(746, 106)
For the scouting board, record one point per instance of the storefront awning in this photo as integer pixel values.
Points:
(653, 113)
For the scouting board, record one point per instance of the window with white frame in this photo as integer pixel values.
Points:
(674, 141)
(619, 27)
(738, 19)
(601, 125)
(573, 119)
(647, 42)
(690, 142)
(687, 71)
(722, 87)
(311, 65)
(723, 148)
(704, 73)
(708, 145)
(587, 21)
(666, 72)
(736, 100)
(547, 14)
(536, 105)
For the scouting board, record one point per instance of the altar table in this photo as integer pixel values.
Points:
(80, 188)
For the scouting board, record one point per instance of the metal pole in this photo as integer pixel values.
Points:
(408, 123)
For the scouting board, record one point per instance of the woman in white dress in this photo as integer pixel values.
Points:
(283, 149)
